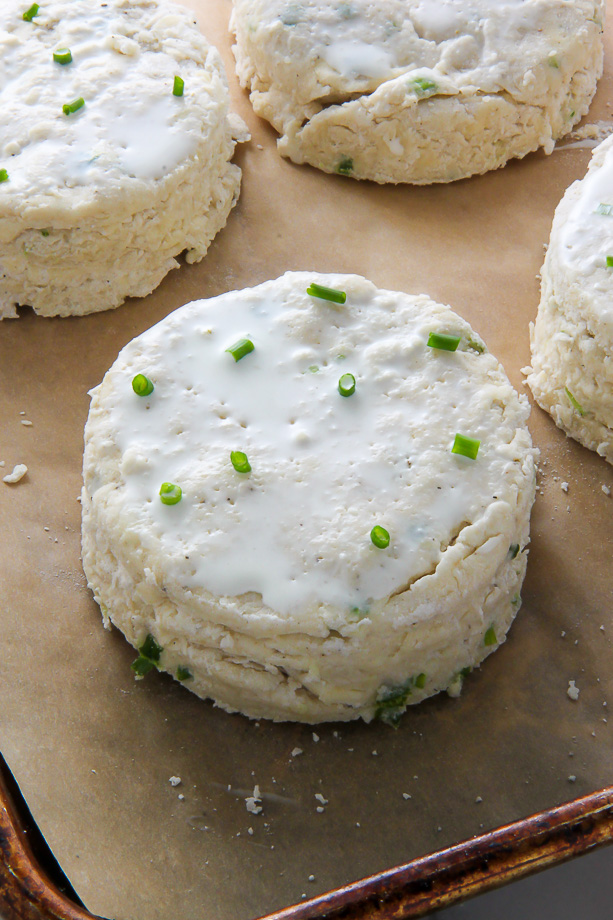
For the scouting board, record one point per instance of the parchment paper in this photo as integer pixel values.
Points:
(93, 750)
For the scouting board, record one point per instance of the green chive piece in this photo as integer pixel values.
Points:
(241, 348)
(490, 637)
(31, 13)
(142, 666)
(44, 233)
(62, 56)
(392, 703)
(513, 550)
(184, 673)
(151, 649)
(170, 494)
(178, 86)
(574, 403)
(326, 293)
(609, 261)
(479, 347)
(69, 108)
(3, 175)
(142, 386)
(443, 341)
(467, 447)
(346, 385)
(380, 537)
(420, 681)
(345, 166)
(423, 87)
(465, 672)
(240, 462)
(314, 368)
(516, 600)
(605, 209)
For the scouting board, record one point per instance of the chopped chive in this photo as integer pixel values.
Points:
(44, 233)
(62, 56)
(184, 673)
(513, 550)
(170, 494)
(326, 293)
(241, 348)
(240, 462)
(314, 368)
(490, 637)
(574, 403)
(609, 261)
(69, 108)
(465, 672)
(178, 86)
(423, 87)
(3, 175)
(31, 13)
(420, 681)
(467, 447)
(605, 209)
(346, 385)
(443, 341)
(380, 537)
(552, 60)
(151, 649)
(345, 166)
(516, 600)
(392, 702)
(475, 345)
(142, 666)
(142, 386)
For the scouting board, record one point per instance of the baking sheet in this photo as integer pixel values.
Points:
(93, 750)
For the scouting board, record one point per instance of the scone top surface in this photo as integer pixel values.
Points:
(325, 469)
(131, 129)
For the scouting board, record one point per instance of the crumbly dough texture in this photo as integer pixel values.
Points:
(266, 587)
(98, 203)
(417, 91)
(571, 375)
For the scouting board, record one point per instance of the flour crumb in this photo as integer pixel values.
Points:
(297, 752)
(311, 878)
(250, 831)
(479, 799)
(606, 490)
(18, 473)
(252, 801)
(572, 778)
(321, 798)
(315, 737)
(406, 795)
(573, 690)
(181, 797)
(564, 486)
(175, 780)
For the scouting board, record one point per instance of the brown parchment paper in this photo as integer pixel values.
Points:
(93, 750)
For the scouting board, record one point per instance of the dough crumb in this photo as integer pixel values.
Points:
(315, 737)
(572, 778)
(564, 486)
(573, 690)
(606, 490)
(175, 780)
(297, 752)
(406, 795)
(18, 473)
(251, 802)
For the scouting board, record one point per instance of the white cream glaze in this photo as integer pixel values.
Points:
(325, 469)
(144, 133)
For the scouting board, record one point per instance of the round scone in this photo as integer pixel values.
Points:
(115, 148)
(310, 510)
(418, 90)
(572, 339)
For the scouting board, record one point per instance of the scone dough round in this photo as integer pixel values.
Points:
(266, 586)
(418, 90)
(572, 339)
(97, 203)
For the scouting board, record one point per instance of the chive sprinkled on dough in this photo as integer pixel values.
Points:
(142, 386)
(184, 673)
(443, 341)
(346, 385)
(513, 550)
(170, 494)
(326, 293)
(609, 261)
(69, 108)
(31, 13)
(467, 447)
(240, 461)
(423, 87)
(392, 702)
(178, 86)
(44, 233)
(62, 56)
(380, 537)
(3, 175)
(142, 666)
(241, 348)
(605, 209)
(574, 403)
(420, 681)
(148, 658)
(345, 166)
(490, 637)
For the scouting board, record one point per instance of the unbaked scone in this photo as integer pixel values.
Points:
(115, 149)
(572, 339)
(282, 519)
(417, 90)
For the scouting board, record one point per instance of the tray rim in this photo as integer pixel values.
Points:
(431, 882)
